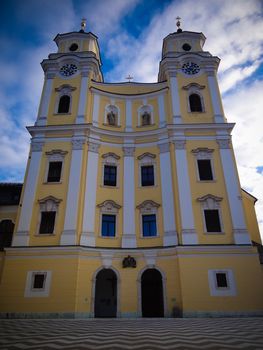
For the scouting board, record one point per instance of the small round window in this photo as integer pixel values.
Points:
(186, 47)
(73, 47)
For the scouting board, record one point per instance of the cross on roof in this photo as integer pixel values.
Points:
(129, 78)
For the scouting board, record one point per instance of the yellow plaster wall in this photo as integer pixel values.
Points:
(251, 218)
(195, 288)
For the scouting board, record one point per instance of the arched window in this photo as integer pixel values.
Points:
(6, 233)
(195, 103)
(64, 103)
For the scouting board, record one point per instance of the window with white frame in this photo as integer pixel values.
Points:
(148, 211)
(38, 284)
(110, 167)
(147, 169)
(48, 215)
(195, 101)
(204, 164)
(55, 165)
(109, 218)
(64, 99)
(111, 117)
(145, 115)
(221, 282)
(211, 213)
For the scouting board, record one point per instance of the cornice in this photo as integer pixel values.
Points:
(172, 130)
(130, 96)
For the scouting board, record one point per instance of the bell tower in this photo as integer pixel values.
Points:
(76, 62)
(186, 66)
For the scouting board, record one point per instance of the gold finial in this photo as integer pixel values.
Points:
(83, 24)
(178, 24)
(129, 78)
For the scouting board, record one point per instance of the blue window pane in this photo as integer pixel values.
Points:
(149, 225)
(108, 225)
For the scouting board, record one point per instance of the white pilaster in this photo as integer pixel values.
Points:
(88, 229)
(177, 119)
(83, 97)
(215, 96)
(240, 233)
(170, 234)
(128, 115)
(189, 235)
(162, 121)
(21, 238)
(129, 237)
(69, 234)
(95, 114)
(46, 95)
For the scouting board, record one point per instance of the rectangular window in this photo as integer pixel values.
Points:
(54, 172)
(47, 222)
(147, 175)
(39, 281)
(221, 280)
(108, 225)
(212, 220)
(149, 225)
(205, 169)
(110, 175)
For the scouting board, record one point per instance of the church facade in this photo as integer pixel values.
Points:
(131, 204)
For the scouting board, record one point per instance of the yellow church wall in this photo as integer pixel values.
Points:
(60, 299)
(195, 117)
(55, 118)
(250, 216)
(129, 88)
(57, 190)
(195, 286)
(215, 187)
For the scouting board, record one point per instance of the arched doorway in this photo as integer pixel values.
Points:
(106, 294)
(152, 293)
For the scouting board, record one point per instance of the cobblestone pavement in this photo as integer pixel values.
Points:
(135, 334)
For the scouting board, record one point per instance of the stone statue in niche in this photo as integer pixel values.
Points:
(146, 118)
(129, 261)
(111, 118)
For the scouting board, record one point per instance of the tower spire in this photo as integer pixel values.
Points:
(83, 25)
(178, 24)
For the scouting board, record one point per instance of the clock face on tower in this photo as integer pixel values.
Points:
(68, 70)
(190, 68)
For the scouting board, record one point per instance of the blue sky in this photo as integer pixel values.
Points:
(130, 35)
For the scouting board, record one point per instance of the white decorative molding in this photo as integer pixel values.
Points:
(37, 146)
(216, 291)
(50, 75)
(189, 237)
(45, 100)
(233, 193)
(95, 114)
(224, 144)
(202, 152)
(88, 229)
(128, 151)
(128, 115)
(64, 88)
(146, 155)
(55, 153)
(129, 236)
(106, 258)
(185, 194)
(82, 98)
(176, 111)
(193, 86)
(164, 147)
(161, 108)
(209, 200)
(150, 258)
(109, 206)
(110, 155)
(77, 144)
(215, 96)
(21, 238)
(93, 147)
(147, 206)
(145, 112)
(179, 144)
(31, 292)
